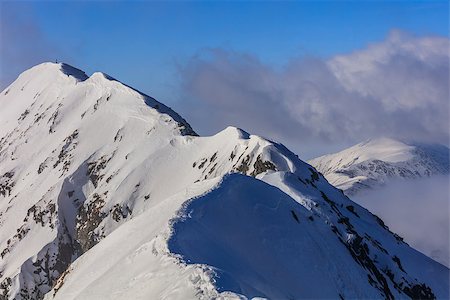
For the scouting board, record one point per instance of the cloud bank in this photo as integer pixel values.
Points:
(418, 210)
(398, 88)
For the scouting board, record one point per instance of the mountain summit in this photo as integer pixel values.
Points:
(376, 161)
(106, 193)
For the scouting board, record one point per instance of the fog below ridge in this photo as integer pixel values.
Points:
(418, 210)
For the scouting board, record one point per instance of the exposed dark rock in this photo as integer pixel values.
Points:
(118, 137)
(351, 209)
(314, 175)
(41, 168)
(5, 286)
(97, 103)
(95, 168)
(21, 232)
(244, 166)
(232, 156)
(52, 119)
(64, 155)
(212, 169)
(213, 157)
(381, 223)
(332, 204)
(308, 181)
(89, 217)
(6, 183)
(43, 216)
(360, 253)
(419, 291)
(261, 166)
(110, 177)
(50, 264)
(376, 244)
(399, 264)
(294, 215)
(24, 115)
(349, 227)
(301, 180)
(119, 212)
(202, 163)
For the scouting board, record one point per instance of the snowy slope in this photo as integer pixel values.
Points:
(376, 161)
(107, 193)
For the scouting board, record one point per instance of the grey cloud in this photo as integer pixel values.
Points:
(397, 88)
(236, 89)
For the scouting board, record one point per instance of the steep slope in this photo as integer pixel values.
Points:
(96, 180)
(246, 238)
(374, 162)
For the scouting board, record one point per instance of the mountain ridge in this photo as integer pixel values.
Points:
(89, 168)
(372, 163)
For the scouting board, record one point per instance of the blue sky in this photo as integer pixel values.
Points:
(139, 42)
(146, 43)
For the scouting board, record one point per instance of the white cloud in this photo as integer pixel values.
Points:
(398, 88)
(418, 210)
(403, 72)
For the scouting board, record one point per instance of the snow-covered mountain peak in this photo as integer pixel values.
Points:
(107, 193)
(48, 70)
(375, 161)
(386, 149)
(52, 87)
(235, 132)
(72, 71)
(107, 80)
(101, 76)
(383, 148)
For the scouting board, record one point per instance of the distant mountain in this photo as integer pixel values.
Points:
(105, 193)
(376, 161)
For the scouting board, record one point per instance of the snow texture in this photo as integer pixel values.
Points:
(377, 161)
(106, 193)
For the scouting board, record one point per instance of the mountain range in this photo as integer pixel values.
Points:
(106, 193)
(375, 162)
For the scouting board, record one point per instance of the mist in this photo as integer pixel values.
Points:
(417, 210)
